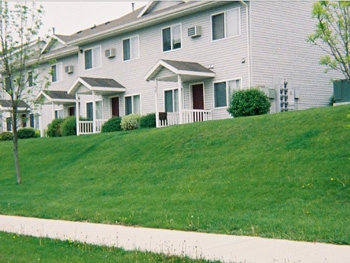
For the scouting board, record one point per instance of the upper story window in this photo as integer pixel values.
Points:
(92, 57)
(131, 48)
(226, 24)
(171, 37)
(30, 79)
(56, 72)
(223, 92)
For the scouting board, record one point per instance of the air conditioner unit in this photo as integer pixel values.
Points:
(110, 53)
(195, 31)
(69, 69)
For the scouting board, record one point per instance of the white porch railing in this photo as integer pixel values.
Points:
(188, 116)
(87, 127)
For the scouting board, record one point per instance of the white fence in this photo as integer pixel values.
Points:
(87, 127)
(188, 116)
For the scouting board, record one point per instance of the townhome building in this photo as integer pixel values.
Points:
(183, 60)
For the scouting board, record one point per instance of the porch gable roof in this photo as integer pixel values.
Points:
(56, 96)
(98, 85)
(169, 70)
(6, 105)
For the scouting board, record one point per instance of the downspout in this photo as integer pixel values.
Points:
(247, 14)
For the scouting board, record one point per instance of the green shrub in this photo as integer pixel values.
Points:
(249, 103)
(54, 128)
(26, 133)
(148, 121)
(37, 134)
(112, 125)
(6, 136)
(331, 101)
(69, 126)
(130, 122)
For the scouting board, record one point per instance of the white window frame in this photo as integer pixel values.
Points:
(95, 64)
(59, 114)
(132, 104)
(228, 91)
(132, 56)
(174, 106)
(225, 24)
(59, 72)
(171, 37)
(92, 103)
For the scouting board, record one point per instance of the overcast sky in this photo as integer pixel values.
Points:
(70, 17)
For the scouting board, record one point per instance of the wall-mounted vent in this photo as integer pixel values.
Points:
(195, 31)
(69, 69)
(110, 53)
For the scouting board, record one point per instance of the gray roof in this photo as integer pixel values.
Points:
(120, 25)
(8, 104)
(102, 82)
(56, 95)
(187, 66)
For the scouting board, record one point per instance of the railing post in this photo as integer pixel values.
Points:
(77, 113)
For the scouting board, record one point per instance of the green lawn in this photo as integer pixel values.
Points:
(23, 249)
(283, 175)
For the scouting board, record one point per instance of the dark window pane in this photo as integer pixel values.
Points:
(30, 79)
(128, 106)
(89, 110)
(54, 73)
(168, 94)
(220, 94)
(8, 124)
(88, 59)
(126, 49)
(218, 26)
(166, 39)
(31, 118)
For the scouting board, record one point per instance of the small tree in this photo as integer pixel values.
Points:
(19, 27)
(332, 34)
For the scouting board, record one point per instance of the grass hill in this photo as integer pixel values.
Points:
(283, 175)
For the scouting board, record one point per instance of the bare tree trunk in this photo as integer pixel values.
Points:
(15, 147)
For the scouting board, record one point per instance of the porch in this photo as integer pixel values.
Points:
(95, 88)
(181, 72)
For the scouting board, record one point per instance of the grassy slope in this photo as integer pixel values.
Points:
(282, 175)
(23, 249)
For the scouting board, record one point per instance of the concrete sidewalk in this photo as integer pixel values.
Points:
(226, 248)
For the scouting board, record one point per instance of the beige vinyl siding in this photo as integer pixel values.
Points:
(280, 51)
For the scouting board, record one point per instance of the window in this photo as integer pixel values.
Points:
(90, 108)
(24, 120)
(171, 37)
(32, 120)
(58, 114)
(89, 111)
(92, 58)
(8, 84)
(131, 48)
(226, 24)
(223, 92)
(171, 100)
(30, 79)
(56, 72)
(9, 124)
(132, 104)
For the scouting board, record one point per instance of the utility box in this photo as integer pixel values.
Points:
(341, 90)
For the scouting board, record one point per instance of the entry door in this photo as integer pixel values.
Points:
(198, 97)
(115, 106)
